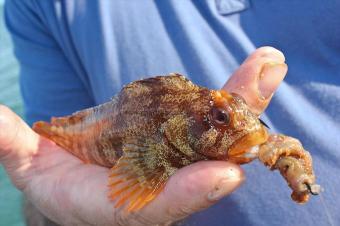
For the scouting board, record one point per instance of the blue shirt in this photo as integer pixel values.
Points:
(76, 54)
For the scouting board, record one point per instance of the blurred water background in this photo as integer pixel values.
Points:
(10, 197)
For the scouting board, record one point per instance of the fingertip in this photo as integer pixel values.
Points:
(196, 187)
(271, 76)
(258, 77)
(16, 137)
(5, 112)
(226, 184)
(7, 130)
(203, 176)
(235, 171)
(269, 52)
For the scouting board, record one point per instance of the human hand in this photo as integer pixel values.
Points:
(73, 193)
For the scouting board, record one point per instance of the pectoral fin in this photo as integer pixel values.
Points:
(132, 183)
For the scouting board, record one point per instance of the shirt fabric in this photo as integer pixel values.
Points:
(76, 54)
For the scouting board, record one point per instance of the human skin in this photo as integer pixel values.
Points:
(70, 192)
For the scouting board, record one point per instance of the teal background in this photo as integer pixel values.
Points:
(10, 197)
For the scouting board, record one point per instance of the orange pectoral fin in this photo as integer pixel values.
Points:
(131, 190)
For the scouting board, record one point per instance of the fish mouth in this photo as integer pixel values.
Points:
(247, 147)
(252, 152)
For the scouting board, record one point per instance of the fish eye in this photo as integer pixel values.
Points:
(220, 116)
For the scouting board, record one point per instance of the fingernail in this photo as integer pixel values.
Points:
(225, 186)
(273, 54)
(271, 75)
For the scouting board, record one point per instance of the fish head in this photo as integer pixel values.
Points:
(232, 132)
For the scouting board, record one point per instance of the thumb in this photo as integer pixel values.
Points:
(194, 188)
(17, 141)
(258, 77)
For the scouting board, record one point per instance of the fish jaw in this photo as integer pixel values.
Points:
(246, 148)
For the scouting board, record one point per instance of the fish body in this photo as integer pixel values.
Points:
(158, 125)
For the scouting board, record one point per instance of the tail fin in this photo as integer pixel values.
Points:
(79, 133)
(55, 132)
(65, 131)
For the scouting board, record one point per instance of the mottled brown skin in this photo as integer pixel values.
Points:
(157, 125)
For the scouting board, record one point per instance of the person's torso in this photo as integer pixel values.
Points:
(115, 42)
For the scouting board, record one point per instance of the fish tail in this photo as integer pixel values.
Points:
(60, 131)
(55, 132)
(77, 134)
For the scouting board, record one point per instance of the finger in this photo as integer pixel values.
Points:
(17, 141)
(258, 78)
(194, 188)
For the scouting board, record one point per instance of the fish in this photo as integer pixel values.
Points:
(157, 125)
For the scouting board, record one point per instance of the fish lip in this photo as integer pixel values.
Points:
(250, 140)
(252, 152)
